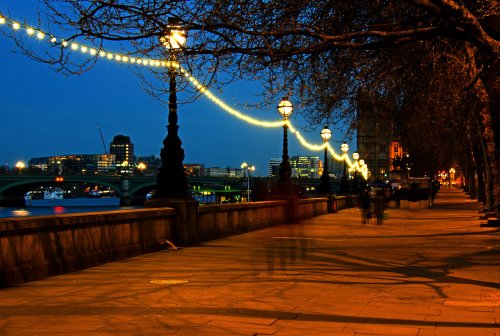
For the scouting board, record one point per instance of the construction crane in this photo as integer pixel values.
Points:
(102, 139)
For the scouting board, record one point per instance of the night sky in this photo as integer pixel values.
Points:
(45, 113)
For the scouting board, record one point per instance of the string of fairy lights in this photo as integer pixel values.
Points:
(353, 165)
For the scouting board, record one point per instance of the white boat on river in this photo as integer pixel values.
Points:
(55, 197)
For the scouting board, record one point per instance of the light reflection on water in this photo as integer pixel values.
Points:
(20, 213)
(6, 212)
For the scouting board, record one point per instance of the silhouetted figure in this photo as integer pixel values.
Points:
(365, 205)
(434, 190)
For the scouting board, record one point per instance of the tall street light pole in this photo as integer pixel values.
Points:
(355, 184)
(325, 186)
(249, 168)
(361, 164)
(344, 184)
(285, 108)
(172, 179)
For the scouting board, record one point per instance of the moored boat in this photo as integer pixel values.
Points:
(55, 197)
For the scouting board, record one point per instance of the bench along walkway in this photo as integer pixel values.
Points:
(423, 272)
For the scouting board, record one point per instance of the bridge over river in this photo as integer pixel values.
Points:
(132, 189)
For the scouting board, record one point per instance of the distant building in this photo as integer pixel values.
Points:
(398, 161)
(274, 167)
(123, 149)
(195, 169)
(237, 172)
(76, 164)
(302, 166)
(374, 133)
(152, 162)
(305, 166)
(335, 167)
(217, 172)
(40, 163)
(223, 172)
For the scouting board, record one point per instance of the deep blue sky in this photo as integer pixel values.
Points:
(45, 113)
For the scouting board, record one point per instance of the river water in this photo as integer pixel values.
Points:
(18, 212)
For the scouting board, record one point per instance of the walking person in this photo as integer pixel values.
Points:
(365, 205)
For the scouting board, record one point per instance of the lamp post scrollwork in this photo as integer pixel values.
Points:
(344, 184)
(172, 179)
(285, 108)
(325, 186)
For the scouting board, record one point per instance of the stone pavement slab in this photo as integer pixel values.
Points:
(421, 273)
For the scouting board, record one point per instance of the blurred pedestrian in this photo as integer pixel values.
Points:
(365, 205)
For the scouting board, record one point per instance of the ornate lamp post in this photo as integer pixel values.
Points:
(344, 184)
(355, 184)
(361, 164)
(325, 186)
(407, 165)
(285, 108)
(249, 168)
(172, 180)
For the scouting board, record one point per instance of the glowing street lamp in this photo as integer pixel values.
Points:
(344, 148)
(325, 186)
(249, 168)
(344, 184)
(451, 175)
(141, 166)
(20, 165)
(355, 182)
(172, 179)
(364, 173)
(285, 108)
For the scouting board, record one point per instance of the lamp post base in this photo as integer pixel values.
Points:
(185, 229)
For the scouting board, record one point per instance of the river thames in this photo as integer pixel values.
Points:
(19, 212)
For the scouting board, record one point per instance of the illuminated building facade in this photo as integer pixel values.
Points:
(305, 166)
(398, 162)
(218, 172)
(123, 149)
(76, 164)
(274, 167)
(302, 166)
(195, 169)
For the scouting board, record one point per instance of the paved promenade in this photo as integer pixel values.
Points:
(421, 273)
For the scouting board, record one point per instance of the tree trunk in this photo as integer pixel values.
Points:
(470, 165)
(481, 188)
(493, 188)
(487, 134)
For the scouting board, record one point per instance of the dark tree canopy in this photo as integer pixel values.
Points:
(423, 58)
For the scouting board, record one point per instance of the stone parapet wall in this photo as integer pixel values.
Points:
(348, 201)
(36, 247)
(311, 207)
(216, 221)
